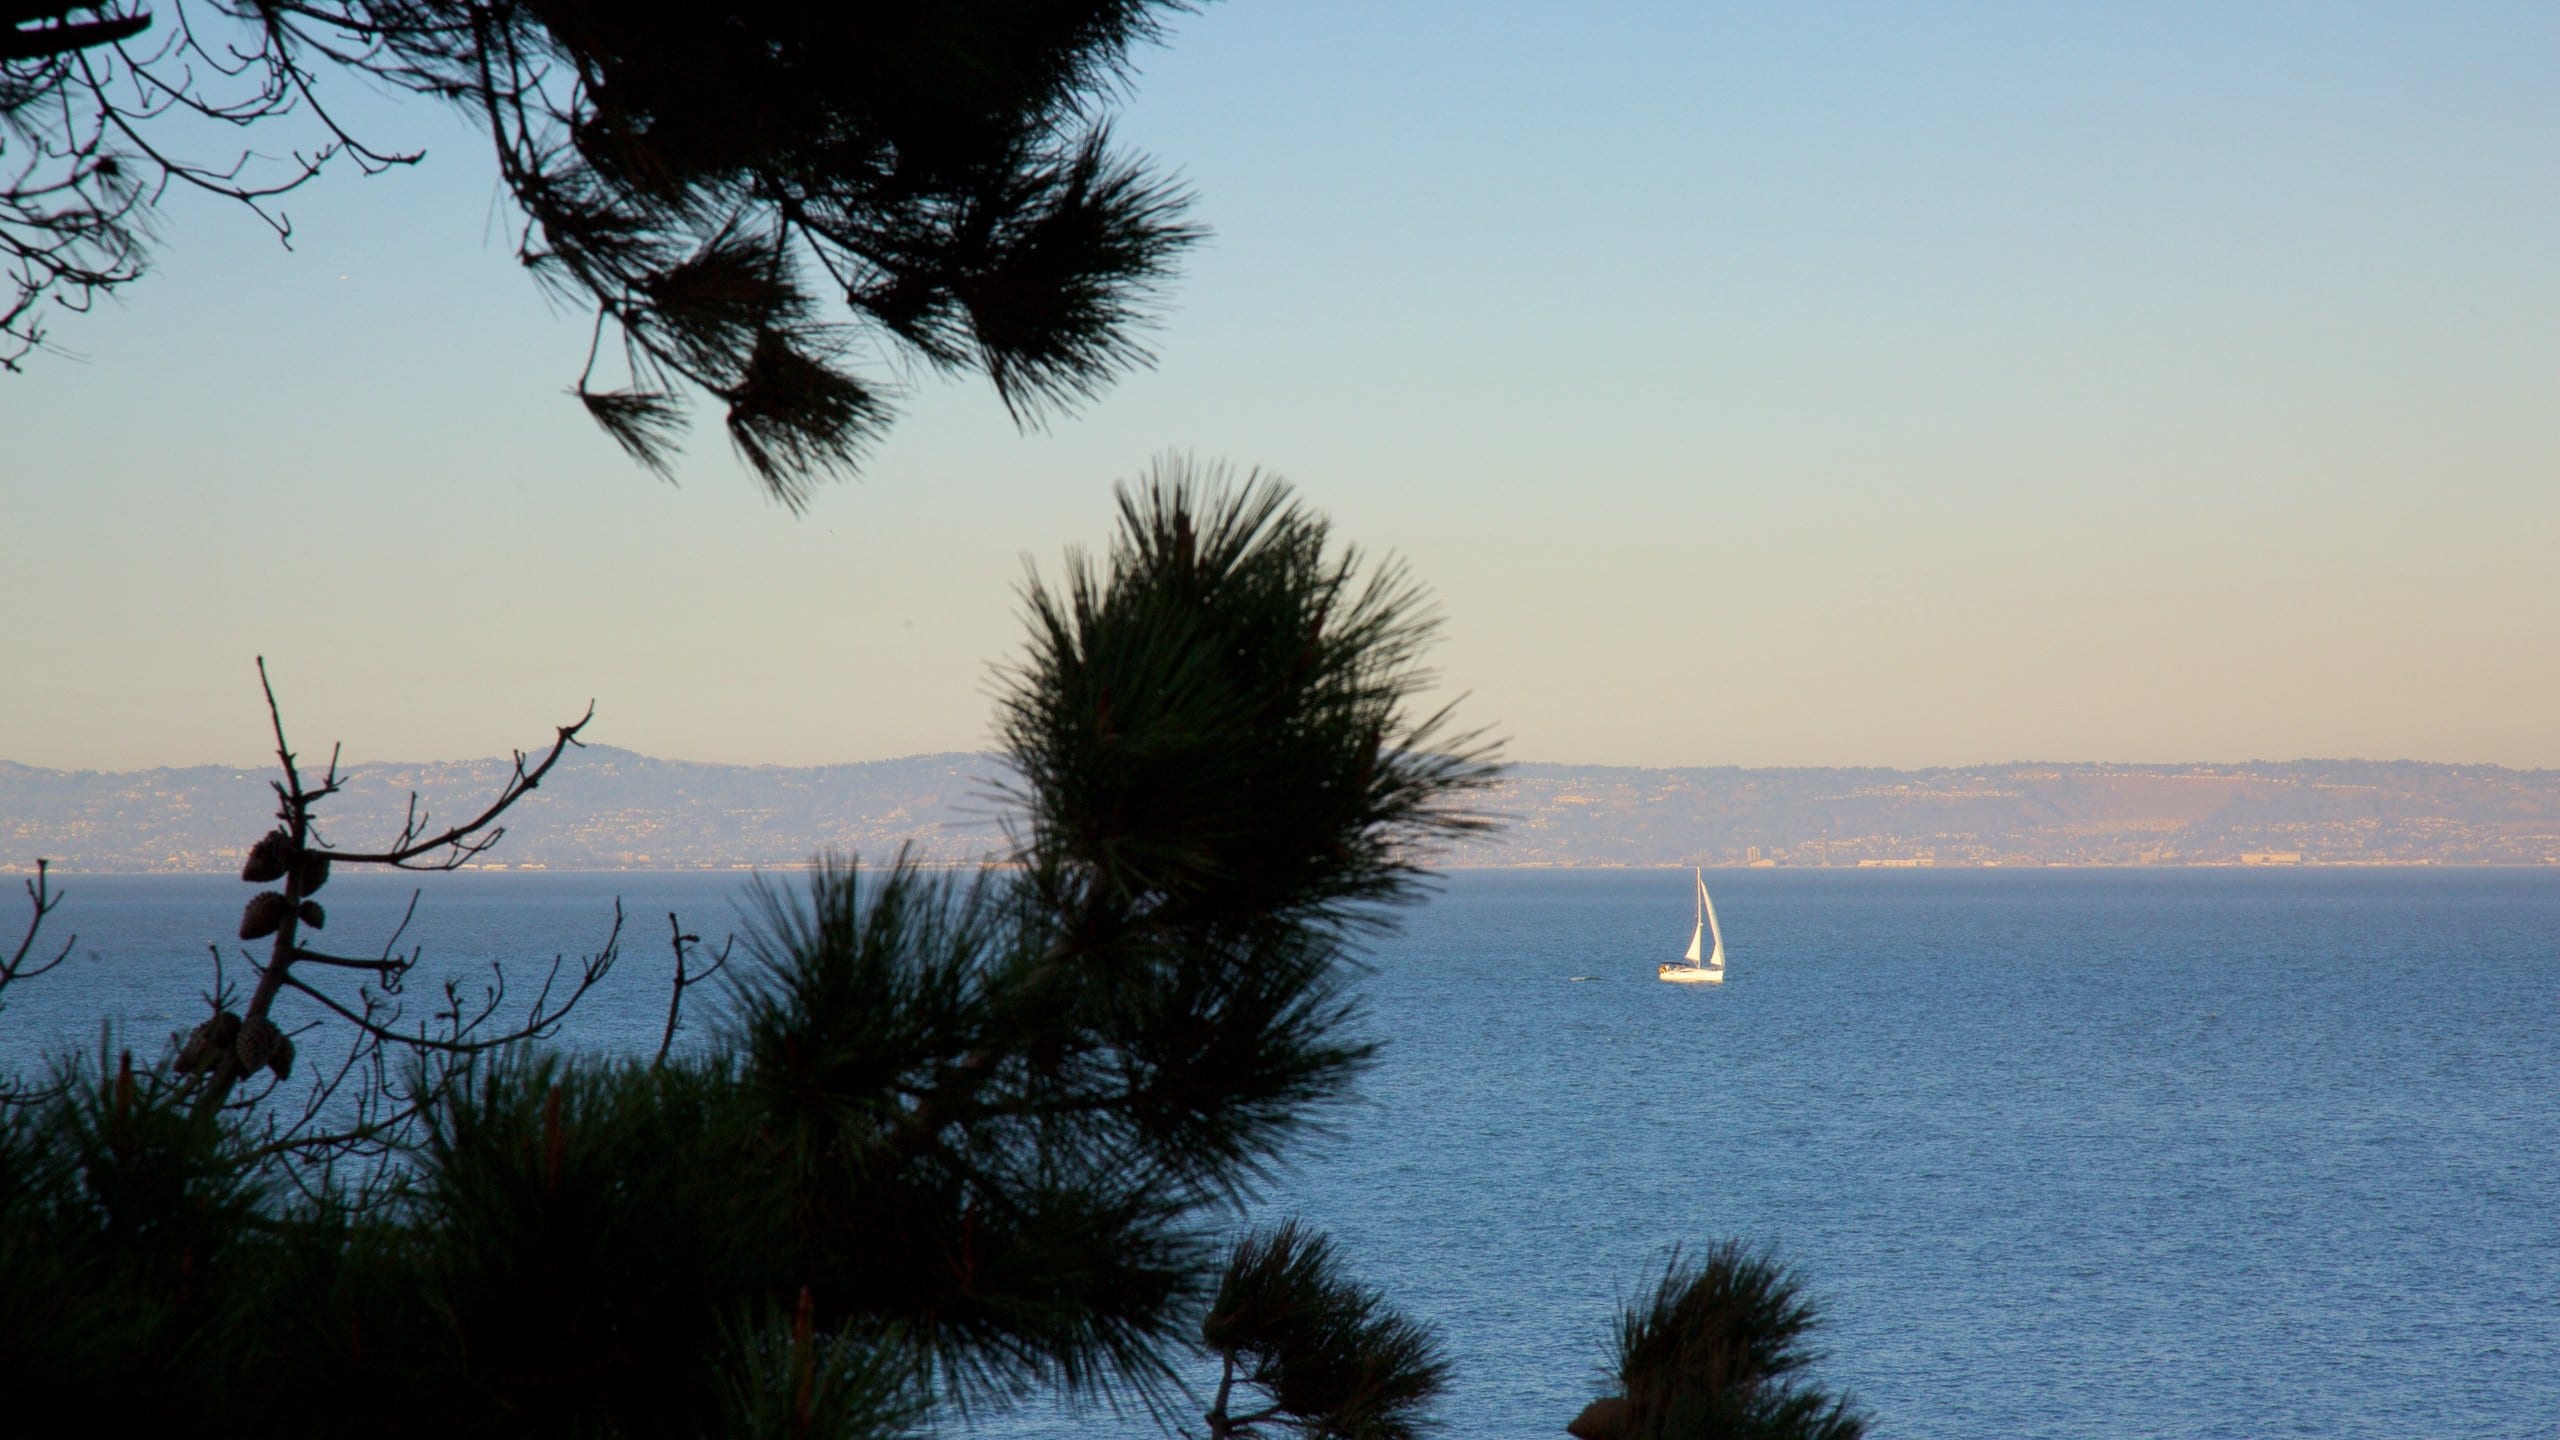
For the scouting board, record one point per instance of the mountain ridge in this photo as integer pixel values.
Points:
(610, 808)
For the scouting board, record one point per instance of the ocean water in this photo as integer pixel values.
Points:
(2060, 1153)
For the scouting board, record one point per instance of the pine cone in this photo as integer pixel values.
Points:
(257, 1044)
(265, 912)
(208, 1043)
(268, 858)
(314, 916)
(311, 871)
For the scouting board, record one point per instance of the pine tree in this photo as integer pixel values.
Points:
(747, 195)
(957, 1141)
(960, 1139)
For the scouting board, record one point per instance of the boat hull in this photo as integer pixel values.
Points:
(1691, 974)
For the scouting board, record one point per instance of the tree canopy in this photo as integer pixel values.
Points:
(759, 201)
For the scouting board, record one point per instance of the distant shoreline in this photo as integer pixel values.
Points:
(614, 811)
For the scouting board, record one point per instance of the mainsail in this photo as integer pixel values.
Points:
(1703, 930)
(1707, 907)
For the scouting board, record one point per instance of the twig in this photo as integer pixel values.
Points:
(465, 842)
(45, 901)
(542, 1019)
(675, 994)
(457, 844)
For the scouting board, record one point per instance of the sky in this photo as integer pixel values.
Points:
(1757, 385)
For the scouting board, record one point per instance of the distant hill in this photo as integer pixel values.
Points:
(607, 809)
(601, 809)
(2298, 811)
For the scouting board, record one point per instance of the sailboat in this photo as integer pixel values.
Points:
(1711, 969)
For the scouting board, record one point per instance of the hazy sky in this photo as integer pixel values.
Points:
(1769, 384)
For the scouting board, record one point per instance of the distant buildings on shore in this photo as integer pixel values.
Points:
(609, 809)
(2314, 812)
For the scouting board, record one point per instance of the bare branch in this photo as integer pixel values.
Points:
(684, 977)
(467, 841)
(390, 970)
(44, 901)
(77, 203)
(304, 864)
(461, 1025)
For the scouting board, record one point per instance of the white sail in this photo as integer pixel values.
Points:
(1707, 903)
(1699, 932)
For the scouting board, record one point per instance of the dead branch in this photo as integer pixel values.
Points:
(76, 201)
(296, 854)
(684, 977)
(466, 842)
(458, 1025)
(44, 900)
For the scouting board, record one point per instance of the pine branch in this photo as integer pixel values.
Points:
(1331, 1356)
(1719, 1349)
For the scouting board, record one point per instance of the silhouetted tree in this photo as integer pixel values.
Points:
(701, 176)
(960, 1138)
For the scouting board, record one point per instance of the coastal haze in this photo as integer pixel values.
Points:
(612, 809)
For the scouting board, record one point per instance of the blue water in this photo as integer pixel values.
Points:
(2062, 1153)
